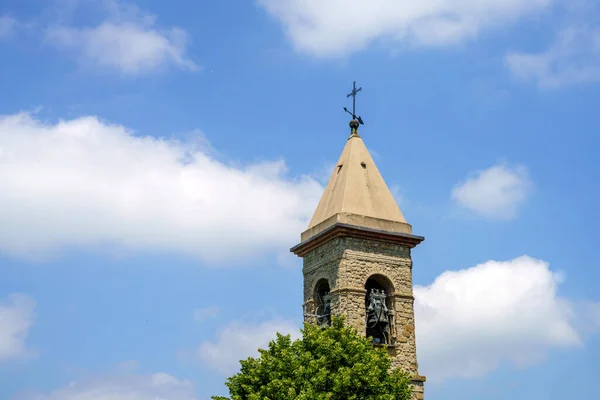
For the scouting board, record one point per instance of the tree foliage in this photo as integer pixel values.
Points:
(335, 363)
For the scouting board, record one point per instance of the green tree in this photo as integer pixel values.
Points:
(335, 363)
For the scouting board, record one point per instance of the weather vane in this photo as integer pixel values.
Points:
(353, 94)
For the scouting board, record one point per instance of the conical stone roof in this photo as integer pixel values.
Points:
(357, 195)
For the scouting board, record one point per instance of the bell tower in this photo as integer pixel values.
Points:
(357, 258)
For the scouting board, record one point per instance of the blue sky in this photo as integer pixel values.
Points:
(158, 160)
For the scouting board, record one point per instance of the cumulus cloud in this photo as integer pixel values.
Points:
(238, 341)
(338, 27)
(131, 387)
(7, 26)
(203, 314)
(573, 58)
(592, 311)
(496, 192)
(85, 183)
(16, 318)
(127, 366)
(469, 322)
(128, 41)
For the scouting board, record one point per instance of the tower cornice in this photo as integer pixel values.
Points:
(346, 230)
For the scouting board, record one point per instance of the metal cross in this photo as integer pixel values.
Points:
(353, 94)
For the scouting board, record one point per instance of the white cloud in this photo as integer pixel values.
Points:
(85, 183)
(469, 322)
(159, 386)
(7, 26)
(203, 314)
(573, 58)
(127, 41)
(338, 27)
(127, 366)
(238, 341)
(16, 318)
(399, 196)
(496, 192)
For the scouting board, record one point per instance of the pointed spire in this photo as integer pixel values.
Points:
(357, 194)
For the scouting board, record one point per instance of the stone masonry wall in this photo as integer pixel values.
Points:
(347, 263)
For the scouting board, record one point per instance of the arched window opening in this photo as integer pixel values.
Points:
(379, 309)
(322, 303)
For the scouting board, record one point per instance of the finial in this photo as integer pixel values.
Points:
(356, 120)
(354, 128)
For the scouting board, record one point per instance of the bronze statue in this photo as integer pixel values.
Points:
(378, 317)
(324, 311)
